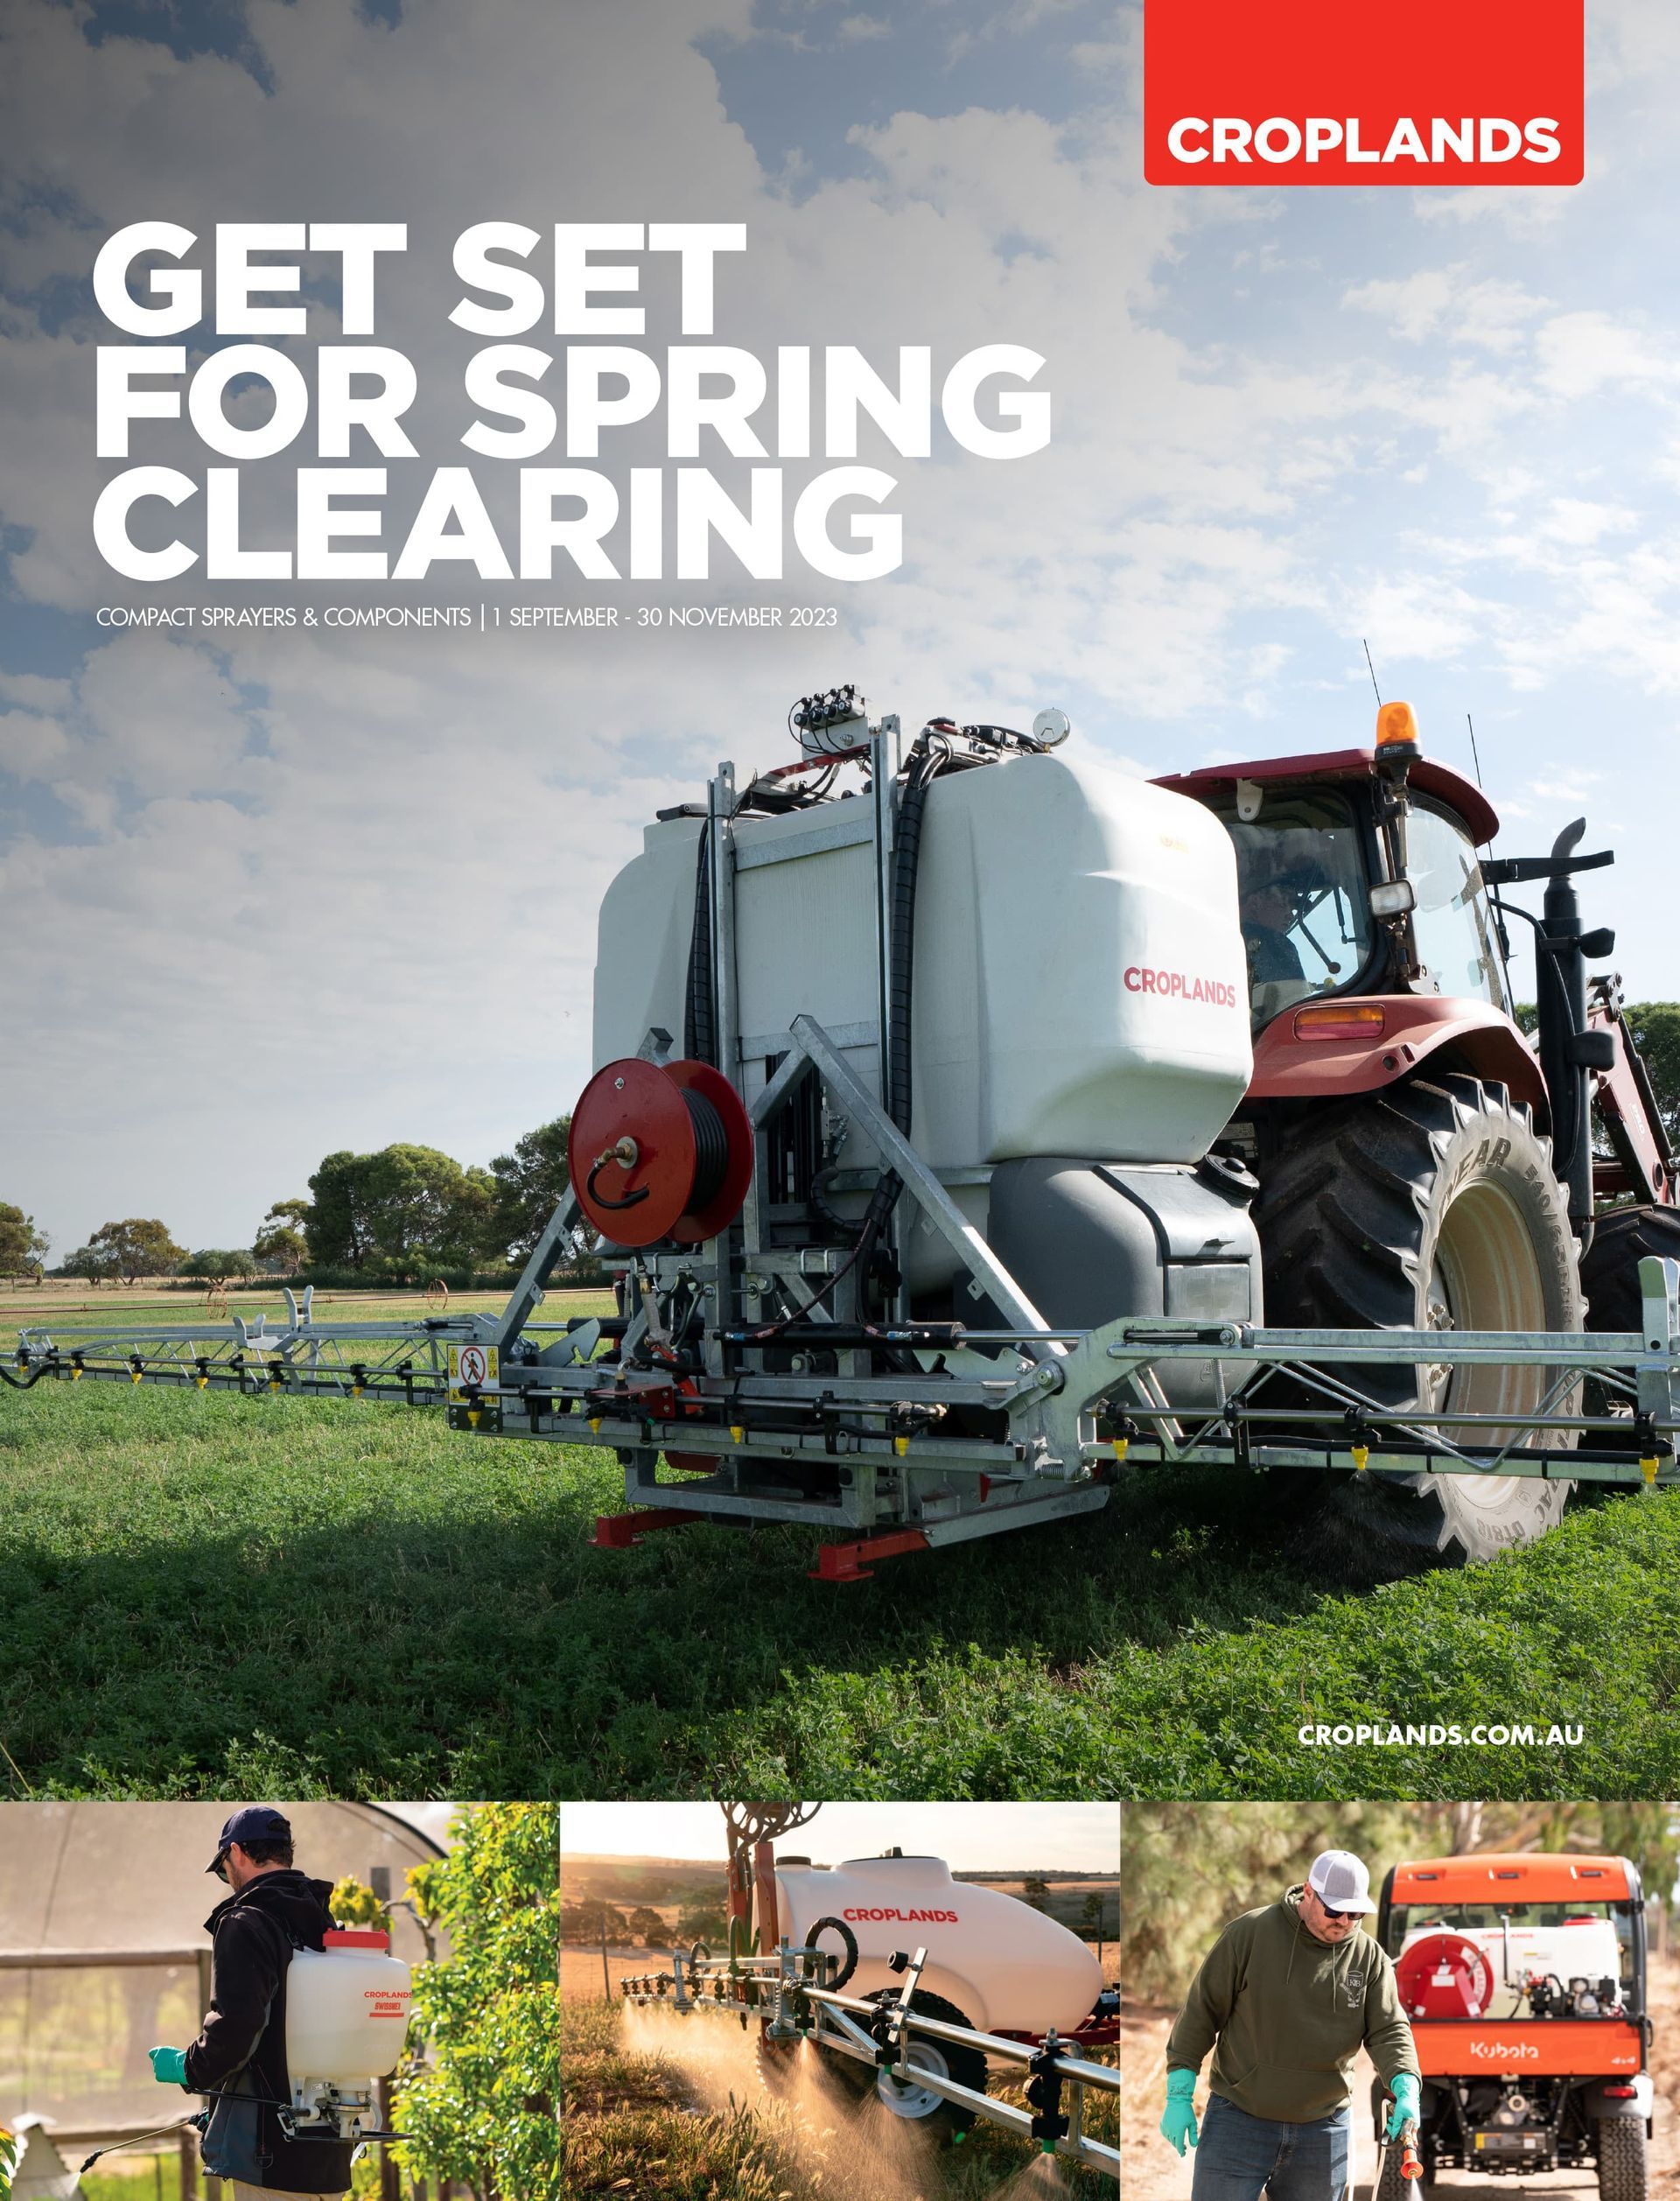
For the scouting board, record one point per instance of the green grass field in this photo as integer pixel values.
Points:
(205, 1595)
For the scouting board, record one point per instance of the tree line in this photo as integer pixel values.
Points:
(403, 1215)
(1188, 1869)
(409, 1212)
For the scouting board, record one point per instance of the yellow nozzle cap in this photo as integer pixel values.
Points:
(737, 1432)
(1647, 1468)
(1396, 722)
(1122, 1445)
(595, 1424)
(901, 1445)
(1362, 1456)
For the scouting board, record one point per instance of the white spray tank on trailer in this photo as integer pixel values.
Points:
(346, 2017)
(1006, 1966)
(1079, 1027)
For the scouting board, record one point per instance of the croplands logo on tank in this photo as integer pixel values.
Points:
(1177, 985)
(862, 1913)
(1320, 92)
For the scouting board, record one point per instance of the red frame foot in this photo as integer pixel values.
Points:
(620, 1531)
(844, 1562)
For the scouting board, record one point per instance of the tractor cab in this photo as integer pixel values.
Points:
(1359, 876)
(1372, 943)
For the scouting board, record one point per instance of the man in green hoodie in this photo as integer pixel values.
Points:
(1286, 1998)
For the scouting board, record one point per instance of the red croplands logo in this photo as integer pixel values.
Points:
(1322, 91)
(1177, 985)
(903, 1917)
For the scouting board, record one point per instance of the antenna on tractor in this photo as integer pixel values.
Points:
(1475, 758)
(1371, 669)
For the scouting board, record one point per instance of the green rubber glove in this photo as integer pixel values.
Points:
(1404, 2087)
(1179, 2123)
(168, 2065)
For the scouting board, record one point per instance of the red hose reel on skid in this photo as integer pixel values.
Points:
(660, 1151)
(1443, 1976)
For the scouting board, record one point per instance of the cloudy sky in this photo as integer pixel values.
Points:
(969, 1837)
(267, 896)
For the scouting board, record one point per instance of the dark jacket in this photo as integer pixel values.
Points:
(1286, 2014)
(242, 2050)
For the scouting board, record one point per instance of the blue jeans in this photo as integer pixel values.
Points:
(1239, 2157)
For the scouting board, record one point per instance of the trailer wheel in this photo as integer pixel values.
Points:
(912, 2103)
(1610, 1266)
(1433, 1205)
(1621, 2159)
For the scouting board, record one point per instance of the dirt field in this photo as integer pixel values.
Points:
(1149, 2170)
(580, 1969)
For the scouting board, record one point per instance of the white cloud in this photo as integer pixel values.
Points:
(1452, 305)
(348, 883)
(1581, 353)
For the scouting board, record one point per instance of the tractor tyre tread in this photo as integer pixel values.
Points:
(1349, 1214)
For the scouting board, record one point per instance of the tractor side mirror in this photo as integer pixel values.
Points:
(1394, 897)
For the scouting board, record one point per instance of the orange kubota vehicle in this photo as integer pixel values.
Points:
(1524, 1977)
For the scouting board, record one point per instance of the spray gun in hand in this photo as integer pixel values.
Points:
(1400, 2129)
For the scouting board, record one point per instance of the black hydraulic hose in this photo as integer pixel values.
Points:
(25, 1383)
(906, 861)
(924, 764)
(711, 1147)
(839, 1926)
(630, 1199)
(699, 1011)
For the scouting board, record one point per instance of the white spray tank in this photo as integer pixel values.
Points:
(346, 2017)
(1079, 1029)
(1006, 1966)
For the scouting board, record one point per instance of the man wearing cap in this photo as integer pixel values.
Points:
(239, 2059)
(1286, 1998)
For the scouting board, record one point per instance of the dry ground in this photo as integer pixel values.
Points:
(1150, 2172)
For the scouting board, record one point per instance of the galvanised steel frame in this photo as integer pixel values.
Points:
(789, 1991)
(795, 1406)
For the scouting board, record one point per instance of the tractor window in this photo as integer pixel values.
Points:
(1452, 924)
(1306, 918)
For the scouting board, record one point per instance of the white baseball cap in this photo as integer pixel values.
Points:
(1340, 1882)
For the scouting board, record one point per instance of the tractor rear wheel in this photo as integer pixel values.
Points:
(1621, 2159)
(1610, 1266)
(1431, 1205)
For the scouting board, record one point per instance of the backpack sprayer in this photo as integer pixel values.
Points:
(901, 2033)
(347, 2018)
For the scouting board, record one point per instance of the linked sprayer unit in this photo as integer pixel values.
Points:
(987, 1980)
(909, 1154)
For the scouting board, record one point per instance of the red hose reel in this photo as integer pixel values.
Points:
(1443, 1976)
(660, 1151)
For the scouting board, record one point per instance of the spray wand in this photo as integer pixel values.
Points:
(198, 2121)
(1411, 2163)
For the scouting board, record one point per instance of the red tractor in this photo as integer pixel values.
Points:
(1523, 1977)
(1422, 1162)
